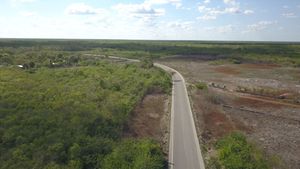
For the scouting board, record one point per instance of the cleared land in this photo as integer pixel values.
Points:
(150, 119)
(261, 100)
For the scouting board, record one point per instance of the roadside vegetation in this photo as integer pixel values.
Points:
(201, 86)
(235, 152)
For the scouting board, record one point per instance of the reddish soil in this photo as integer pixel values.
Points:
(261, 101)
(271, 123)
(254, 102)
(146, 118)
(150, 119)
(227, 70)
(260, 66)
(214, 122)
(217, 124)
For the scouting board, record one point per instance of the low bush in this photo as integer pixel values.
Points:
(201, 85)
(235, 152)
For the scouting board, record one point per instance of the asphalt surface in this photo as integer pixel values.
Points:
(184, 150)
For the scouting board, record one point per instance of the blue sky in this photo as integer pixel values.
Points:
(247, 20)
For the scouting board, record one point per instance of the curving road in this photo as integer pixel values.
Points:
(184, 149)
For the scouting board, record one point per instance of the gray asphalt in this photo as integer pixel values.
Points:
(184, 150)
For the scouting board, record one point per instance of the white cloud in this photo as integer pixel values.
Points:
(230, 2)
(15, 3)
(285, 7)
(206, 1)
(139, 10)
(82, 9)
(232, 10)
(262, 25)
(144, 15)
(176, 3)
(22, 1)
(213, 13)
(289, 15)
(207, 17)
(28, 14)
(248, 12)
(221, 29)
(202, 8)
(187, 25)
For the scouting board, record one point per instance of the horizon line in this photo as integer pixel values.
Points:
(163, 40)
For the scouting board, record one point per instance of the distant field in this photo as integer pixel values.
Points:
(283, 53)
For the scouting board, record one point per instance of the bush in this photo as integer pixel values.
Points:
(234, 152)
(201, 86)
(143, 154)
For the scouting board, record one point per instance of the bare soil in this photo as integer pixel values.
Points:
(260, 66)
(271, 123)
(150, 119)
(227, 70)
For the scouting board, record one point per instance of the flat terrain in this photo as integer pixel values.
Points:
(150, 119)
(261, 100)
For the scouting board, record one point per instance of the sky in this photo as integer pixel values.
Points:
(238, 20)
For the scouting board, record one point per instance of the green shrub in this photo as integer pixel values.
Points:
(143, 154)
(234, 152)
(201, 86)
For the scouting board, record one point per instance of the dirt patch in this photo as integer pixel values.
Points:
(226, 70)
(150, 119)
(200, 57)
(260, 66)
(213, 123)
(217, 124)
(254, 102)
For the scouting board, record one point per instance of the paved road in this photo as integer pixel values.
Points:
(184, 150)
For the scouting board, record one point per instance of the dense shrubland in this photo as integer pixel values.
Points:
(73, 117)
(238, 52)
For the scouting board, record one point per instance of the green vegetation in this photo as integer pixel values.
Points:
(201, 85)
(73, 117)
(66, 107)
(71, 51)
(142, 155)
(235, 152)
